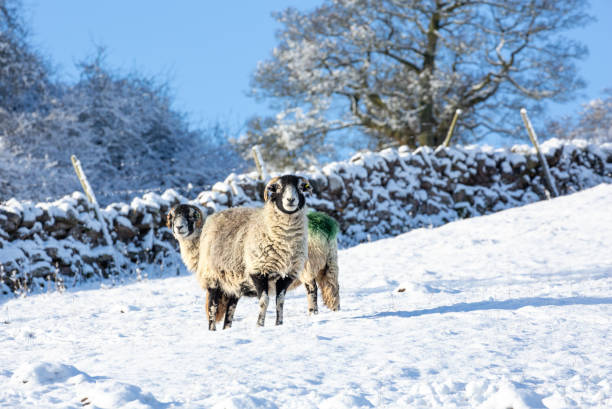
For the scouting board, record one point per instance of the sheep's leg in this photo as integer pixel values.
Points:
(229, 314)
(311, 295)
(328, 282)
(261, 286)
(214, 295)
(281, 288)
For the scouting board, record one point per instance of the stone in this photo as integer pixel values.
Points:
(125, 233)
(9, 220)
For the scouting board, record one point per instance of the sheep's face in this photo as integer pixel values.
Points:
(287, 193)
(184, 221)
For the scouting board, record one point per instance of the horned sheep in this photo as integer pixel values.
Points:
(245, 248)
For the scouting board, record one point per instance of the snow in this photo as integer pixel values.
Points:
(512, 309)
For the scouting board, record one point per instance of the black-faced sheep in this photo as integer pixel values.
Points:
(321, 267)
(245, 248)
(185, 222)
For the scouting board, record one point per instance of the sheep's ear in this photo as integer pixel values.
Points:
(169, 218)
(271, 186)
(306, 186)
(199, 218)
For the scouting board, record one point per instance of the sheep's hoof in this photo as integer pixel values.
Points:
(212, 327)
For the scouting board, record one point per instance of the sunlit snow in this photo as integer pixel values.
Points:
(512, 309)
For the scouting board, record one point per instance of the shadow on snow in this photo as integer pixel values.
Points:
(496, 305)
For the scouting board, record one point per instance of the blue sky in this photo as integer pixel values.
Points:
(208, 49)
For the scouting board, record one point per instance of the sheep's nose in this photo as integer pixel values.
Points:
(181, 228)
(291, 200)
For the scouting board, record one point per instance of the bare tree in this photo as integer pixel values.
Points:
(396, 71)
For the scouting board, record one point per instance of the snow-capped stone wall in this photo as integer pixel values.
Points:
(373, 195)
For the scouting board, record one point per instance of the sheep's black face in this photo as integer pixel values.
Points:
(184, 220)
(288, 193)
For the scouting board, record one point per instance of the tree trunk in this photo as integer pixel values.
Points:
(427, 135)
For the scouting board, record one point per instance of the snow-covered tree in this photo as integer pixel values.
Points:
(124, 131)
(396, 71)
(593, 123)
(23, 73)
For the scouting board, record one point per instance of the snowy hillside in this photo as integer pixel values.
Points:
(512, 309)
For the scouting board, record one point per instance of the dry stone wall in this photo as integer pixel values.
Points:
(373, 195)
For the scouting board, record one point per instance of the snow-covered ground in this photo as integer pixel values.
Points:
(508, 310)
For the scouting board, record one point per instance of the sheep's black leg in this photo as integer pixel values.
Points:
(214, 295)
(311, 295)
(229, 313)
(281, 288)
(261, 285)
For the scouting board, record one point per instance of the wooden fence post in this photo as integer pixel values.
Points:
(449, 134)
(534, 140)
(92, 198)
(259, 163)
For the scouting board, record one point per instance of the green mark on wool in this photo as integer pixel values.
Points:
(322, 225)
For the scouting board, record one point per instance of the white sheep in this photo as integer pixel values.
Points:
(245, 248)
(322, 264)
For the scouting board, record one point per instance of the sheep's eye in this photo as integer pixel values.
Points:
(196, 215)
(273, 188)
(305, 186)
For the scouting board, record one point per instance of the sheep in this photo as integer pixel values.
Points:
(322, 263)
(321, 266)
(185, 221)
(241, 249)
